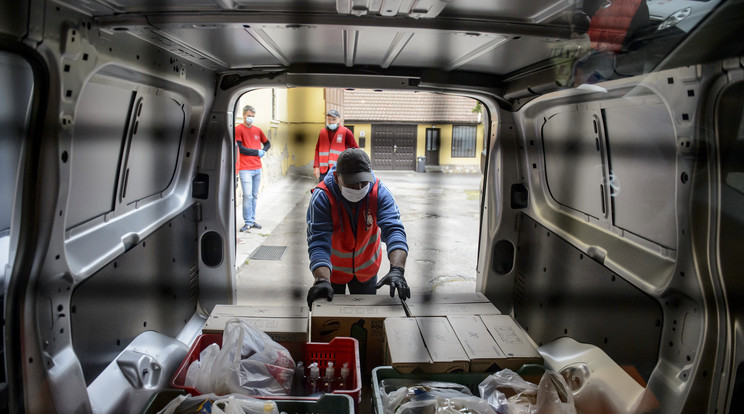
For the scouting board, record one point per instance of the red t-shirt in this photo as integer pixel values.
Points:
(252, 138)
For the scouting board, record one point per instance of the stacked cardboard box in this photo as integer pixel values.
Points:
(284, 324)
(450, 304)
(356, 316)
(458, 343)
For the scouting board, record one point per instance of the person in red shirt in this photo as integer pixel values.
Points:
(250, 140)
(332, 141)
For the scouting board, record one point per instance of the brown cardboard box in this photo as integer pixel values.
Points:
(483, 352)
(446, 309)
(512, 340)
(367, 300)
(284, 324)
(261, 311)
(461, 297)
(443, 346)
(405, 350)
(426, 345)
(365, 323)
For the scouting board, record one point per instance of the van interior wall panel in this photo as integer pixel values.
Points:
(157, 128)
(730, 122)
(643, 155)
(97, 143)
(153, 286)
(16, 82)
(560, 291)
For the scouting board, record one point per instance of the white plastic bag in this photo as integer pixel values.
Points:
(225, 404)
(249, 362)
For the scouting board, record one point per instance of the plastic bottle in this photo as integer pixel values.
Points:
(299, 380)
(343, 380)
(330, 377)
(313, 382)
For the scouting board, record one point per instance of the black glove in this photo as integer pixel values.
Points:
(321, 288)
(395, 279)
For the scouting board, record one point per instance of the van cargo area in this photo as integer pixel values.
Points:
(569, 174)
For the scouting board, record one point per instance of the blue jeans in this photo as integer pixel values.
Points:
(250, 181)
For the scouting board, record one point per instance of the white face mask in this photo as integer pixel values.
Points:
(249, 120)
(354, 195)
(332, 127)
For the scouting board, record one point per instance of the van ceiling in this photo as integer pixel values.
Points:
(466, 35)
(519, 49)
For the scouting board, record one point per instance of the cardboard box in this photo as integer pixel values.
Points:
(446, 309)
(287, 325)
(512, 340)
(365, 323)
(482, 350)
(367, 300)
(462, 297)
(444, 348)
(261, 311)
(427, 345)
(405, 350)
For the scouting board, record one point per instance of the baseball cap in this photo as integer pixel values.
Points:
(333, 112)
(354, 166)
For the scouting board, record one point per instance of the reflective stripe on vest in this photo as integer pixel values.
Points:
(354, 256)
(329, 149)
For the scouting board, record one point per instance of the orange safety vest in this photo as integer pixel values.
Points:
(609, 26)
(330, 149)
(355, 256)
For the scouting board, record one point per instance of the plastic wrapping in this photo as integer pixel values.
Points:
(507, 393)
(402, 396)
(225, 404)
(249, 362)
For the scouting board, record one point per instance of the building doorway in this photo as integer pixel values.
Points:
(394, 147)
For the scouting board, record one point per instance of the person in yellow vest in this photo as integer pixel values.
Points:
(332, 141)
(350, 213)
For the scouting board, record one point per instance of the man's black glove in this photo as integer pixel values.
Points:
(395, 279)
(321, 289)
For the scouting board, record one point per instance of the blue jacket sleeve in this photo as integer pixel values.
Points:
(319, 230)
(388, 218)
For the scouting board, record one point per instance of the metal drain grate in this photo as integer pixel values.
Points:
(269, 253)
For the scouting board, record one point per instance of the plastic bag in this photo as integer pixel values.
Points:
(249, 362)
(225, 404)
(432, 402)
(405, 396)
(507, 393)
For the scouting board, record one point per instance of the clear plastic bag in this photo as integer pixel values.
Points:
(405, 396)
(507, 393)
(225, 404)
(249, 362)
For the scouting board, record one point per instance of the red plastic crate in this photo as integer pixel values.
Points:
(338, 351)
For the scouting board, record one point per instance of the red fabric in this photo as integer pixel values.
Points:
(358, 255)
(609, 26)
(327, 150)
(252, 138)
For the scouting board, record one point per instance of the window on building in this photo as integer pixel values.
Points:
(463, 141)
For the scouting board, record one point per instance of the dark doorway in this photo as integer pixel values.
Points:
(394, 147)
(432, 146)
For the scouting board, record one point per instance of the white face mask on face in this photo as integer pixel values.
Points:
(354, 195)
(332, 127)
(249, 120)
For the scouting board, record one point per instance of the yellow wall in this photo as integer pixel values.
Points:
(445, 145)
(367, 129)
(306, 110)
